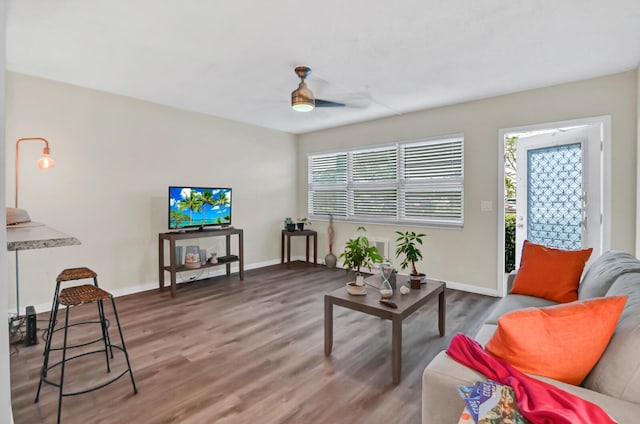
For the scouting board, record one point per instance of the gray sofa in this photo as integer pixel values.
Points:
(613, 384)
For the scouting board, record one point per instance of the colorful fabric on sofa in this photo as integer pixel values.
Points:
(539, 402)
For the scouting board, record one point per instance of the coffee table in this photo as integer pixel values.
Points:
(369, 304)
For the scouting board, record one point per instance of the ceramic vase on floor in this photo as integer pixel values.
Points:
(330, 260)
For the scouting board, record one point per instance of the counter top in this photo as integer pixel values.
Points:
(37, 236)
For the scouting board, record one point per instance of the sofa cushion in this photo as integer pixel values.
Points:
(562, 342)
(514, 302)
(604, 270)
(550, 273)
(617, 373)
(485, 333)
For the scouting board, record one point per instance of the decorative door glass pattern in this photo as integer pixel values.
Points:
(554, 196)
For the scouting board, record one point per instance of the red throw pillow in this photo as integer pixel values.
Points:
(550, 273)
(563, 342)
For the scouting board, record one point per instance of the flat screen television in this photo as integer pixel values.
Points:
(199, 207)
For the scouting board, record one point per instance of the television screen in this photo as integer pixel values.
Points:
(199, 207)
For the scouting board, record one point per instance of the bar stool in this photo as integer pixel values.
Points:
(75, 296)
(70, 274)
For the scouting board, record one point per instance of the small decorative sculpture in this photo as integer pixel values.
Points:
(386, 269)
(192, 257)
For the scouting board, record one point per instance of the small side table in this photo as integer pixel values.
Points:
(307, 234)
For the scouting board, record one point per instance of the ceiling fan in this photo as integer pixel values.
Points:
(302, 99)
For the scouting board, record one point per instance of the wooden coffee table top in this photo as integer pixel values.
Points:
(370, 303)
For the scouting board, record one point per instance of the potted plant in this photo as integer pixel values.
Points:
(359, 253)
(408, 245)
(289, 224)
(302, 221)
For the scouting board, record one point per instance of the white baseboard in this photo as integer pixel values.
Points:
(468, 288)
(203, 274)
(471, 289)
(214, 272)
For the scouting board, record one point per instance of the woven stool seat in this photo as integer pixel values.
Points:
(69, 274)
(76, 274)
(77, 295)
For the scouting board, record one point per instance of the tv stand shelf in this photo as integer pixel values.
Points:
(172, 268)
(182, 268)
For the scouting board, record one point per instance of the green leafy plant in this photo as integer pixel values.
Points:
(408, 245)
(301, 222)
(509, 242)
(359, 253)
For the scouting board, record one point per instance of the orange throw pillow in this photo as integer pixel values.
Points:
(550, 273)
(562, 342)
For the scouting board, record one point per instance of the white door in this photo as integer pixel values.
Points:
(559, 190)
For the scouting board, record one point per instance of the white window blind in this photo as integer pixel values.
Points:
(417, 182)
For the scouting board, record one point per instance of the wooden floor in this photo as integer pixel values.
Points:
(231, 351)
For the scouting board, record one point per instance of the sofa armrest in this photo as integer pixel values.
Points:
(441, 402)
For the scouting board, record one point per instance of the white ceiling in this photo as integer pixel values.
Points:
(235, 59)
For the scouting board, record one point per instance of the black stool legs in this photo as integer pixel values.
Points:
(124, 349)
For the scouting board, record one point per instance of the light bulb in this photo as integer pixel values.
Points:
(302, 107)
(46, 162)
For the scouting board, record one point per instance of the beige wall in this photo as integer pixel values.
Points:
(468, 256)
(115, 158)
(5, 392)
(638, 162)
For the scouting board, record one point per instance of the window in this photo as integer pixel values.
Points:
(415, 182)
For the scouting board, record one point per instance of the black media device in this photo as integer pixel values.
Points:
(32, 327)
(227, 258)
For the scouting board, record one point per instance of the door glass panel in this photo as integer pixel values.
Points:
(554, 196)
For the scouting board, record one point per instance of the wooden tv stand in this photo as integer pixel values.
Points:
(173, 268)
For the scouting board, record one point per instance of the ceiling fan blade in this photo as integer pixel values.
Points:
(328, 103)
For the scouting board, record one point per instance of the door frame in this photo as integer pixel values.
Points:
(604, 122)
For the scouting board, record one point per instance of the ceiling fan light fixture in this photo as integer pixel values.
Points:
(302, 99)
(304, 105)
